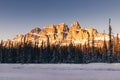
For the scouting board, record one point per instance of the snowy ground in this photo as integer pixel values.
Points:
(94, 71)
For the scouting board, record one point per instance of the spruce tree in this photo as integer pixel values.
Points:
(110, 43)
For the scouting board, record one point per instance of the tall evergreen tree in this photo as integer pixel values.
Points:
(110, 43)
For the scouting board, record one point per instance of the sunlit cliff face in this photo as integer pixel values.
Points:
(62, 34)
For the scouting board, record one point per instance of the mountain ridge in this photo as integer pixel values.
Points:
(61, 34)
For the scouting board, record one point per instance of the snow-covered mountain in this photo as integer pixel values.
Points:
(61, 34)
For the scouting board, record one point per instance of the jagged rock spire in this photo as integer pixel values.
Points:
(75, 25)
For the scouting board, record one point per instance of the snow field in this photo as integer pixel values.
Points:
(93, 71)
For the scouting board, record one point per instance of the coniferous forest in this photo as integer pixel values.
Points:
(25, 52)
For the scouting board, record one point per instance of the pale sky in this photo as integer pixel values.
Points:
(20, 16)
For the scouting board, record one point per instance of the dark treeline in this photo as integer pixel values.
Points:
(26, 52)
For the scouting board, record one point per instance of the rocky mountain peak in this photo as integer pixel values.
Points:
(35, 30)
(18, 36)
(61, 34)
(75, 25)
(61, 27)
